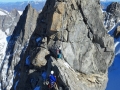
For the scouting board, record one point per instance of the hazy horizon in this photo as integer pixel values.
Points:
(19, 0)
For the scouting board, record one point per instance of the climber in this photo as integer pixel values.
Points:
(52, 81)
(59, 53)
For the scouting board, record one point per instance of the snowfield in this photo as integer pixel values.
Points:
(3, 45)
(20, 12)
(2, 13)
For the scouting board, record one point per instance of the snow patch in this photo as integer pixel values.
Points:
(7, 31)
(2, 13)
(20, 12)
(116, 43)
(3, 44)
(117, 46)
(66, 64)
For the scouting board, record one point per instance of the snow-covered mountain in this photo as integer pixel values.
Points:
(3, 45)
(8, 20)
(17, 45)
(20, 12)
(105, 3)
(3, 12)
(20, 6)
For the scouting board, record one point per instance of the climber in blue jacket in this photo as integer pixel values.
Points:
(52, 80)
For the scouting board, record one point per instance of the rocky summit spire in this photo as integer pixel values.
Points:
(76, 27)
(17, 46)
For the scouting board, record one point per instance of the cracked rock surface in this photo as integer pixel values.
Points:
(87, 50)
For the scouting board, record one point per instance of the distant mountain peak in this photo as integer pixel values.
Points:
(103, 0)
(37, 4)
(3, 12)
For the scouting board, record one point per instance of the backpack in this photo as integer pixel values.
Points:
(52, 78)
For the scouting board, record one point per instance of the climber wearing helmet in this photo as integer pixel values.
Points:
(52, 80)
(59, 53)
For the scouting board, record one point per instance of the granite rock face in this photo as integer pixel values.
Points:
(77, 27)
(40, 60)
(86, 39)
(17, 47)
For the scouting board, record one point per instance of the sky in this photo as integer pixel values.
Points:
(40, 0)
(19, 0)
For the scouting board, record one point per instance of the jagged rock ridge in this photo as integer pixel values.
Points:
(86, 47)
(17, 47)
(112, 15)
(8, 21)
(112, 18)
